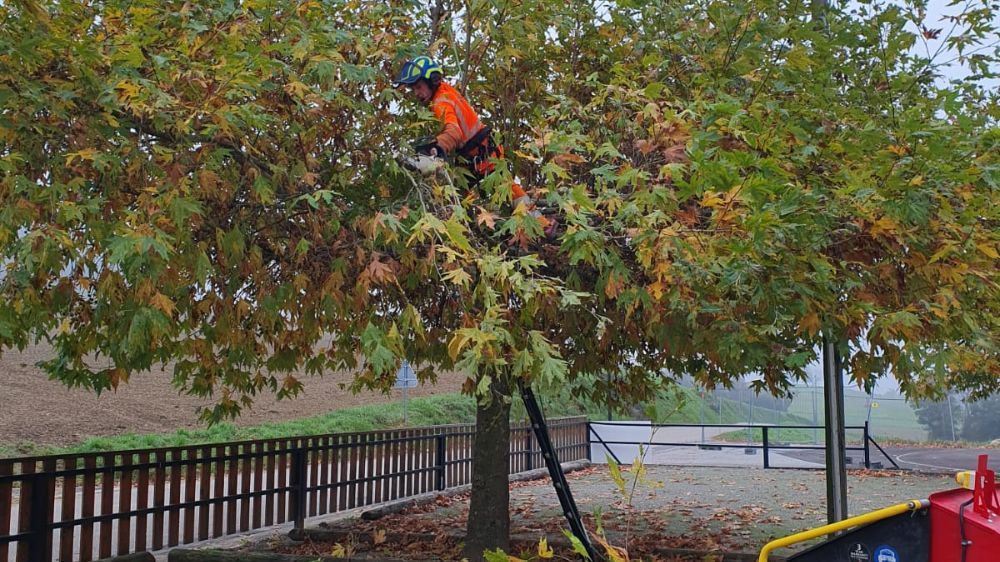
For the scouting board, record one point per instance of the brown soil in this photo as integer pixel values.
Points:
(34, 409)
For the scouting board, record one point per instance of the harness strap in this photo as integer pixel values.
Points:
(471, 149)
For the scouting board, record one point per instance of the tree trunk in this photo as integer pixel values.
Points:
(488, 526)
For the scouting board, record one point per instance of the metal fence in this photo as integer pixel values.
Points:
(87, 506)
(766, 444)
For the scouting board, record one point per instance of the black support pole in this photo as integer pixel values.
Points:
(555, 471)
(40, 541)
(297, 482)
(836, 465)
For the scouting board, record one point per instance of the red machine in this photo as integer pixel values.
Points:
(961, 525)
(965, 524)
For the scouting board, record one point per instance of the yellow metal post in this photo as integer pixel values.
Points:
(871, 517)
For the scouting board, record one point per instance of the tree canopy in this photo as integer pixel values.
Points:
(212, 185)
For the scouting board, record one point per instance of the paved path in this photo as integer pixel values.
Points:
(697, 456)
(689, 446)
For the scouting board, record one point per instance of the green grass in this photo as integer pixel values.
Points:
(891, 418)
(685, 405)
(432, 410)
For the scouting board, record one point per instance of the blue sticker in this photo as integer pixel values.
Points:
(886, 554)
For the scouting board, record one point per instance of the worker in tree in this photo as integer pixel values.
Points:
(464, 134)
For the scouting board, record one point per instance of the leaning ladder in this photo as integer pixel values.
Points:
(556, 472)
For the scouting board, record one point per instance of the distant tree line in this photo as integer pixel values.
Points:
(973, 421)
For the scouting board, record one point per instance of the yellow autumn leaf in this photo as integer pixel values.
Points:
(456, 345)
(304, 7)
(614, 553)
(297, 89)
(884, 225)
(544, 550)
(711, 199)
(85, 154)
(458, 276)
(64, 327)
(917, 181)
(988, 250)
(162, 303)
(378, 537)
(126, 90)
(655, 289)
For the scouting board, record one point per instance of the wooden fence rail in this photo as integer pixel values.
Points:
(88, 506)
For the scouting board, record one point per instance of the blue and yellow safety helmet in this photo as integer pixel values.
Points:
(420, 67)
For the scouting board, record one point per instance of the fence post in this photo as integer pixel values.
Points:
(868, 458)
(440, 441)
(297, 481)
(587, 440)
(40, 543)
(529, 448)
(767, 460)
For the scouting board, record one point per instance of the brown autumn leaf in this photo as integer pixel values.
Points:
(379, 272)
(644, 146)
(567, 159)
(486, 218)
(930, 33)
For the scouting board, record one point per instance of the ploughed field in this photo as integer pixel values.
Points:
(34, 409)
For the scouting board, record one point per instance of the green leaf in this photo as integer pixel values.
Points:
(576, 544)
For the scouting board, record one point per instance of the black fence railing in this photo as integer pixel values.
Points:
(87, 506)
(766, 445)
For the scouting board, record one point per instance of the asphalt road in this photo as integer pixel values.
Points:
(917, 458)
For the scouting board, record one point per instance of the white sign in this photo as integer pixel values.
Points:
(405, 377)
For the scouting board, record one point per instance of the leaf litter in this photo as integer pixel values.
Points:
(709, 510)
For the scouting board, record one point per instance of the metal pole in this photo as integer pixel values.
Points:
(39, 500)
(609, 396)
(767, 461)
(701, 414)
(951, 416)
(405, 398)
(815, 391)
(868, 451)
(441, 460)
(836, 466)
(297, 482)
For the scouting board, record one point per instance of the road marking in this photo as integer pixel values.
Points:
(900, 459)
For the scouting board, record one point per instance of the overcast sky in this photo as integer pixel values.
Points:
(937, 11)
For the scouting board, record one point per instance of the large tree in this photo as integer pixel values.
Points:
(982, 420)
(212, 185)
(942, 419)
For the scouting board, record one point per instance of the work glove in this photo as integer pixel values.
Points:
(431, 149)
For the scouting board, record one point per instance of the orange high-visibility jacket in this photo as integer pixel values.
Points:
(461, 124)
(460, 121)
